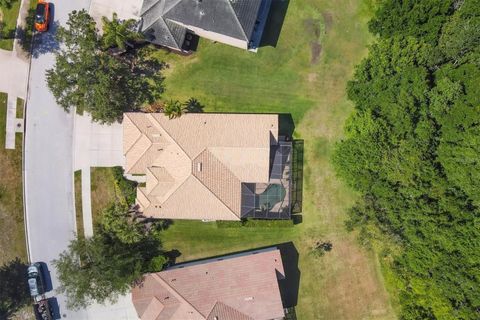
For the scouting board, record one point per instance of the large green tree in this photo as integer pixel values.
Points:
(106, 265)
(88, 79)
(411, 149)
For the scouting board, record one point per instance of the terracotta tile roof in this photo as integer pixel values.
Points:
(195, 164)
(239, 287)
(221, 311)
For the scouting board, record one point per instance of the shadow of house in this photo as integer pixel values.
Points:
(274, 24)
(289, 286)
(14, 292)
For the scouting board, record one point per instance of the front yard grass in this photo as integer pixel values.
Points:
(9, 19)
(103, 191)
(77, 176)
(12, 234)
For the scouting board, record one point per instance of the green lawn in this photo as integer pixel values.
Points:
(12, 235)
(103, 191)
(9, 19)
(305, 75)
(78, 202)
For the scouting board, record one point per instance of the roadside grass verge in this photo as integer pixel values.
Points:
(78, 202)
(12, 234)
(20, 106)
(8, 17)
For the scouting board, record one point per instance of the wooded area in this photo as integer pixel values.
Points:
(411, 148)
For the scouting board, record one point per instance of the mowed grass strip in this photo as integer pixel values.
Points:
(78, 202)
(12, 234)
(8, 16)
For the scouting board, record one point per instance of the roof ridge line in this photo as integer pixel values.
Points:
(140, 131)
(230, 210)
(229, 306)
(216, 196)
(144, 151)
(238, 20)
(177, 293)
(168, 133)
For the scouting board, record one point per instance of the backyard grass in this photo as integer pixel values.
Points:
(9, 19)
(305, 75)
(12, 235)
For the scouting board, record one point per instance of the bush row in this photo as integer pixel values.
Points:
(255, 223)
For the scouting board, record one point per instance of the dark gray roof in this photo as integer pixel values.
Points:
(234, 18)
(156, 28)
(247, 12)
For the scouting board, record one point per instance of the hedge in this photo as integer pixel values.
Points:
(255, 223)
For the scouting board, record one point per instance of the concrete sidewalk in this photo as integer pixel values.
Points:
(87, 203)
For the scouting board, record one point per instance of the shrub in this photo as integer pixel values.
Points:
(255, 223)
(127, 188)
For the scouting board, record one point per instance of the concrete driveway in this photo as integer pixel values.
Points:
(124, 9)
(48, 172)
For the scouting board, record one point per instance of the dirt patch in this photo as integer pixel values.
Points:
(316, 50)
(328, 20)
(312, 77)
(313, 27)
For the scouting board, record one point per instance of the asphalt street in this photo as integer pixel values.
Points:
(48, 177)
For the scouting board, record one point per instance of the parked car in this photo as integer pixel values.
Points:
(35, 279)
(43, 310)
(42, 16)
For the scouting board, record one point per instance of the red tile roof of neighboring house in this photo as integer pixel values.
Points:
(240, 287)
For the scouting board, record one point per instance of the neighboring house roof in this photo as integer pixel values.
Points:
(195, 164)
(166, 20)
(240, 287)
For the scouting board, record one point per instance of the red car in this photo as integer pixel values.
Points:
(42, 15)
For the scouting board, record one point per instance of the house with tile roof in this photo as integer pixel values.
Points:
(209, 166)
(236, 287)
(176, 23)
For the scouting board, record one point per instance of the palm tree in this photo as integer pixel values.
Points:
(118, 33)
(193, 105)
(173, 109)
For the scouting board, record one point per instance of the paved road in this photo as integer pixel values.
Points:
(48, 180)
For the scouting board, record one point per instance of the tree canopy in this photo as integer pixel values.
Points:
(104, 266)
(87, 78)
(411, 149)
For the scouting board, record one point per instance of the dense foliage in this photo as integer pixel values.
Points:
(94, 80)
(100, 268)
(412, 150)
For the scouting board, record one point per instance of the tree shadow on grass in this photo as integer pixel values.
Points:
(274, 24)
(14, 292)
